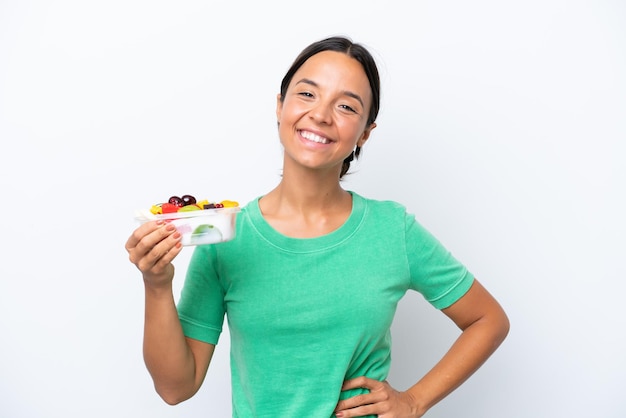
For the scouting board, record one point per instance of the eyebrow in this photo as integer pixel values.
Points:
(345, 92)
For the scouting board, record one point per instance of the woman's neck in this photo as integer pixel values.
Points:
(306, 206)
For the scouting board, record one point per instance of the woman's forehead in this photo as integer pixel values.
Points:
(332, 68)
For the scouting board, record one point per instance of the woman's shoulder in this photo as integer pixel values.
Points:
(379, 204)
(385, 211)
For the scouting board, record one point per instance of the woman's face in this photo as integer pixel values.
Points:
(323, 115)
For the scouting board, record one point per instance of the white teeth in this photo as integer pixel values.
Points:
(313, 137)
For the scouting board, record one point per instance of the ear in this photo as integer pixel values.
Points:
(366, 134)
(279, 107)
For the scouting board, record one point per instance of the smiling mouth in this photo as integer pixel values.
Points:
(310, 136)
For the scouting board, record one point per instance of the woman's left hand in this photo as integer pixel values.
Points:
(382, 401)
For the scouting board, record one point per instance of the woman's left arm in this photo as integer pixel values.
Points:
(484, 326)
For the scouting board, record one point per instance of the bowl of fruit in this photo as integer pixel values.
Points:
(199, 222)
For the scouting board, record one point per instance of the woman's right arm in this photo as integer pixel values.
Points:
(177, 364)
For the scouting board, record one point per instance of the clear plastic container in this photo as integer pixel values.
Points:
(199, 227)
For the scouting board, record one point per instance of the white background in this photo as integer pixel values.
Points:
(502, 128)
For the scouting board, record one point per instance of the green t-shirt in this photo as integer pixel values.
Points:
(306, 314)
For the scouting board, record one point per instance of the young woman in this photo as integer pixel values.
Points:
(311, 282)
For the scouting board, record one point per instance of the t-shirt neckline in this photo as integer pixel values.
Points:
(323, 242)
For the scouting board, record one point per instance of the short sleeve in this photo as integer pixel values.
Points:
(201, 304)
(435, 272)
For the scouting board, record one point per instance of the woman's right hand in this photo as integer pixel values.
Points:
(152, 247)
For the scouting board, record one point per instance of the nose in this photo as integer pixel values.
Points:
(321, 113)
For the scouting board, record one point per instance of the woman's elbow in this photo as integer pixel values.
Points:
(502, 326)
(175, 395)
